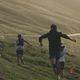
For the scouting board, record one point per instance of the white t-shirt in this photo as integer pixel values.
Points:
(62, 58)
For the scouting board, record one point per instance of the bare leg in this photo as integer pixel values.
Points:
(18, 61)
(53, 62)
(58, 66)
(62, 74)
(62, 70)
(21, 58)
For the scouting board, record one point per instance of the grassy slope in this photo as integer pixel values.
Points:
(34, 17)
(25, 15)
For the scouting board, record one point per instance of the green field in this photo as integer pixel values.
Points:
(34, 17)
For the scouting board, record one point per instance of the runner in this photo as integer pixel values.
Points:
(20, 48)
(54, 38)
(64, 51)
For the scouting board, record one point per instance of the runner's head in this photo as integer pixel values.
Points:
(19, 36)
(62, 47)
(53, 27)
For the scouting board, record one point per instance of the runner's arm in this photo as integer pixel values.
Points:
(70, 55)
(27, 43)
(67, 37)
(42, 37)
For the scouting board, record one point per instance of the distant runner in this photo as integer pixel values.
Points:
(54, 38)
(20, 48)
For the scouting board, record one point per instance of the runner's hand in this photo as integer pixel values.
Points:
(73, 56)
(73, 40)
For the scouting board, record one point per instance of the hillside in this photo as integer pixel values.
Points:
(34, 17)
(29, 16)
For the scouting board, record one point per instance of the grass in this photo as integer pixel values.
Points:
(29, 17)
(37, 65)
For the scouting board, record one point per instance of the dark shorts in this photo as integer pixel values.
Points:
(54, 54)
(19, 52)
(62, 65)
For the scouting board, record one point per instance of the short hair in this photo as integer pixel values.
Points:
(19, 35)
(53, 27)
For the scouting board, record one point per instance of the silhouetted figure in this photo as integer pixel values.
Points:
(20, 48)
(54, 38)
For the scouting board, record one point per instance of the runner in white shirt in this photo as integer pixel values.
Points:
(20, 48)
(64, 51)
